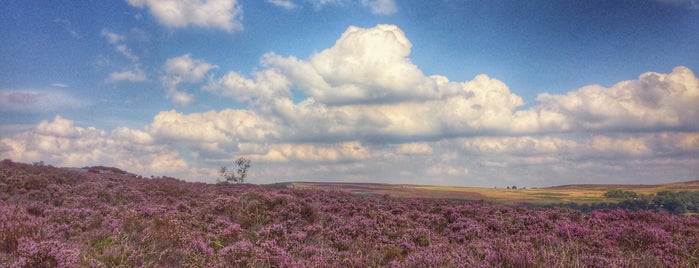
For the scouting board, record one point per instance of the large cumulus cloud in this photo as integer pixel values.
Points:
(364, 66)
(653, 102)
(365, 87)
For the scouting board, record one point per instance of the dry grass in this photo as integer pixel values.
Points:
(583, 194)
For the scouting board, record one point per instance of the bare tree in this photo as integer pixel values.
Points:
(242, 172)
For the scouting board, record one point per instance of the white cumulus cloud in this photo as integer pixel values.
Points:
(653, 101)
(183, 69)
(61, 142)
(368, 64)
(223, 14)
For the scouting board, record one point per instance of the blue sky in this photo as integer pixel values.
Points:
(483, 93)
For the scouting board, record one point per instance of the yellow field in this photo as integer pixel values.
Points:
(592, 193)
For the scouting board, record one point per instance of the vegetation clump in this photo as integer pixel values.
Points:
(242, 171)
(664, 201)
(616, 193)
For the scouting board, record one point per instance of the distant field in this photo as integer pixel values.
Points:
(583, 193)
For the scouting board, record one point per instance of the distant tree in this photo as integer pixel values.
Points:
(671, 201)
(514, 187)
(616, 193)
(242, 171)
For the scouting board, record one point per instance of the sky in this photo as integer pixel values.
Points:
(447, 92)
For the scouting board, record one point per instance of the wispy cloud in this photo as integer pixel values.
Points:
(380, 7)
(133, 73)
(383, 7)
(321, 3)
(68, 26)
(112, 38)
(37, 101)
(130, 75)
(118, 41)
(61, 85)
(287, 4)
(692, 4)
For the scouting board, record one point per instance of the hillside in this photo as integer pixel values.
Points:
(583, 193)
(105, 217)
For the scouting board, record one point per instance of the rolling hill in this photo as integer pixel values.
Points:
(580, 193)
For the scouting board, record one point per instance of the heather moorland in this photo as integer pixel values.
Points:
(106, 217)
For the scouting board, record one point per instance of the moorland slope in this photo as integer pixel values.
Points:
(105, 217)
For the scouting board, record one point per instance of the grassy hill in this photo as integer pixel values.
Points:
(583, 193)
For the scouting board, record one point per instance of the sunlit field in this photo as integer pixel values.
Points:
(582, 194)
(105, 217)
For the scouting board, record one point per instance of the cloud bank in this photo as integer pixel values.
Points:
(362, 111)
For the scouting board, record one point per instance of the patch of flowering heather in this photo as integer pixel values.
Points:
(44, 254)
(16, 224)
(240, 253)
(105, 217)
